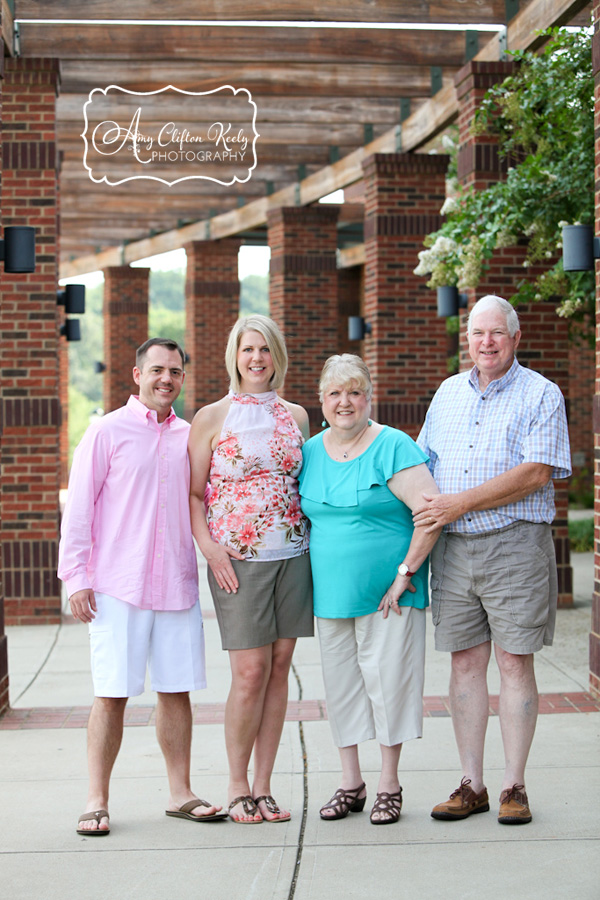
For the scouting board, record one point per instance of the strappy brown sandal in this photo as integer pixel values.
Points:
(250, 809)
(388, 804)
(272, 807)
(344, 802)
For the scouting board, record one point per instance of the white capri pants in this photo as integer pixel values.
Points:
(124, 640)
(374, 670)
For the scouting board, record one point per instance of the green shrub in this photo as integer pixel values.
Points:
(581, 535)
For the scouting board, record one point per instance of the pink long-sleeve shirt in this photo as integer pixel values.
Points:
(126, 527)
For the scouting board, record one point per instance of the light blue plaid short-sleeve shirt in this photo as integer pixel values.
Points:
(472, 436)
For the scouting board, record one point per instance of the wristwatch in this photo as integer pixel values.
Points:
(404, 570)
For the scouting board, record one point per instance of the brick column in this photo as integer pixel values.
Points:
(403, 196)
(3, 646)
(545, 342)
(125, 311)
(595, 630)
(29, 377)
(582, 372)
(212, 306)
(303, 296)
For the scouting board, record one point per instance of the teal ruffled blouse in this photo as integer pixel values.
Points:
(360, 532)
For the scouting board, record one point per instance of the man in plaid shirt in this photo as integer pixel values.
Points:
(496, 436)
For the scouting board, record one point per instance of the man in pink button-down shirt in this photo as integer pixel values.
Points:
(128, 561)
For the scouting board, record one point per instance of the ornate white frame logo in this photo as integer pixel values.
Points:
(227, 143)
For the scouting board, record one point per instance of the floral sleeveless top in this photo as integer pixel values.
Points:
(252, 498)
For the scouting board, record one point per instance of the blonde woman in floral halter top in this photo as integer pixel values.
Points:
(245, 456)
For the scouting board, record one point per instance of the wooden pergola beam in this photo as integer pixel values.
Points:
(235, 45)
(437, 11)
(294, 79)
(280, 110)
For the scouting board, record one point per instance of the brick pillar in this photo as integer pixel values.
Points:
(125, 311)
(303, 296)
(545, 342)
(212, 306)
(3, 646)
(404, 193)
(351, 291)
(582, 372)
(29, 322)
(595, 630)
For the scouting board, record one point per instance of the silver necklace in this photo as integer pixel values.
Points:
(356, 440)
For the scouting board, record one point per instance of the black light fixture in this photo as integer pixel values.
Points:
(580, 248)
(71, 330)
(17, 250)
(99, 367)
(357, 328)
(72, 297)
(449, 301)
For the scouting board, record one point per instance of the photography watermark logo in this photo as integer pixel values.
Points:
(169, 135)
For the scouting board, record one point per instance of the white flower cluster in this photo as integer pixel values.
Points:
(568, 307)
(451, 205)
(436, 256)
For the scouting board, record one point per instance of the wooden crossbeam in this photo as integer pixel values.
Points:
(236, 45)
(294, 79)
(170, 104)
(437, 11)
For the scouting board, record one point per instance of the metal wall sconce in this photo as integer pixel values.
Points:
(17, 250)
(99, 367)
(357, 328)
(72, 298)
(71, 330)
(449, 301)
(580, 248)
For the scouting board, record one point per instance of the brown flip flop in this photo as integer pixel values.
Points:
(185, 812)
(87, 817)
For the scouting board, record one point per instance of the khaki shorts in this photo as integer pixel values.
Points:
(273, 600)
(500, 586)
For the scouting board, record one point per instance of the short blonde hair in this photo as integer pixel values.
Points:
(273, 339)
(344, 370)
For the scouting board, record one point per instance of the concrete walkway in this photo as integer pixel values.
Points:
(150, 857)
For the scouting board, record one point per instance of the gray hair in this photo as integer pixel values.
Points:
(490, 301)
(345, 370)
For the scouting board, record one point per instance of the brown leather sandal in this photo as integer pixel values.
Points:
(344, 802)
(250, 809)
(388, 804)
(273, 808)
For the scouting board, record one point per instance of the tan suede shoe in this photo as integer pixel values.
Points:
(514, 806)
(463, 802)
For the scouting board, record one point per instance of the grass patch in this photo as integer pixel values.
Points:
(581, 535)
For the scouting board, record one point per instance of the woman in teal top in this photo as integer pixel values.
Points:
(359, 484)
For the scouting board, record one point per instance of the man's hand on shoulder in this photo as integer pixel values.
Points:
(83, 605)
(437, 510)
